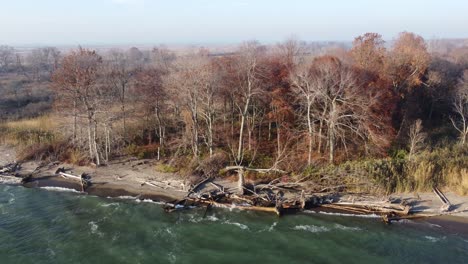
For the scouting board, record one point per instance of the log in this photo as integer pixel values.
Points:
(79, 178)
(446, 203)
(230, 168)
(390, 218)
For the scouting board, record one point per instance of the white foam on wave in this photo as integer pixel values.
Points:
(212, 218)
(347, 228)
(433, 239)
(151, 201)
(94, 228)
(241, 226)
(272, 226)
(311, 228)
(125, 197)
(343, 214)
(110, 204)
(172, 257)
(60, 189)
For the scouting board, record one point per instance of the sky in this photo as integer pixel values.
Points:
(101, 22)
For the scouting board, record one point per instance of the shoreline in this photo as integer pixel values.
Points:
(138, 178)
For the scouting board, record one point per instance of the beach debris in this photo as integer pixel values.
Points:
(84, 179)
(10, 169)
(446, 205)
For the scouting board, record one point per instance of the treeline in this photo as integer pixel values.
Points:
(275, 107)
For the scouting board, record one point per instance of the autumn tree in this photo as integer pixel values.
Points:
(76, 80)
(246, 86)
(368, 52)
(407, 62)
(149, 85)
(405, 68)
(120, 71)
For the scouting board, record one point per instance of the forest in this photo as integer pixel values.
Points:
(393, 114)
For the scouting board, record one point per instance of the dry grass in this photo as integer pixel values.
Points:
(443, 167)
(29, 131)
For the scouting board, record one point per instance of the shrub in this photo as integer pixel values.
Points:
(212, 166)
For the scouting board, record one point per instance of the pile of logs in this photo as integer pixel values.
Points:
(280, 198)
(10, 169)
(8, 174)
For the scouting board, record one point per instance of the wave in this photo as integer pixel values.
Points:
(272, 226)
(433, 239)
(125, 197)
(94, 228)
(212, 218)
(59, 189)
(350, 228)
(241, 226)
(110, 204)
(151, 201)
(343, 214)
(311, 228)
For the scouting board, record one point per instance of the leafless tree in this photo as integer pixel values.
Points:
(7, 57)
(77, 80)
(302, 83)
(460, 106)
(43, 60)
(416, 137)
(247, 86)
(120, 74)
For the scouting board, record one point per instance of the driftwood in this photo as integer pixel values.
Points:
(231, 168)
(9, 169)
(446, 203)
(390, 218)
(82, 179)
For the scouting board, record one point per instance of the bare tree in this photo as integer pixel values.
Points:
(120, 74)
(43, 60)
(340, 104)
(149, 84)
(460, 106)
(76, 79)
(247, 71)
(416, 138)
(302, 83)
(7, 57)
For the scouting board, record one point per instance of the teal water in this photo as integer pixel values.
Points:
(40, 226)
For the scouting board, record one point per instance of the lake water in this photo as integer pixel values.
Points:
(43, 226)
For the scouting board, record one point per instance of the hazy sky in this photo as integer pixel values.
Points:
(72, 22)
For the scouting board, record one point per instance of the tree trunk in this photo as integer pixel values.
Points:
(240, 182)
(309, 124)
(96, 153)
